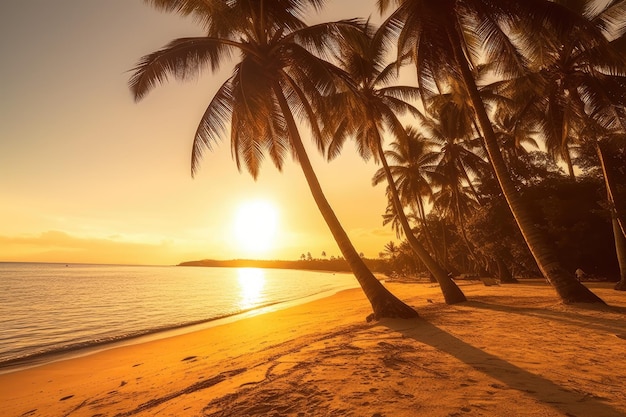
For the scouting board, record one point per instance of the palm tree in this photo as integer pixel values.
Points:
(447, 38)
(578, 92)
(577, 76)
(455, 196)
(590, 84)
(280, 77)
(611, 171)
(376, 104)
(407, 156)
(514, 133)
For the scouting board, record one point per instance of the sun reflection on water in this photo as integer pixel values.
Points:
(251, 283)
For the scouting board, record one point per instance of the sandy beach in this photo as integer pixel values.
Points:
(512, 350)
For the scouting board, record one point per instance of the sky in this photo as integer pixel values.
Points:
(89, 176)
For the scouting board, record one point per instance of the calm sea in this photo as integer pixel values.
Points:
(55, 308)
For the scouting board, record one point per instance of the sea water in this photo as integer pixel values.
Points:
(53, 308)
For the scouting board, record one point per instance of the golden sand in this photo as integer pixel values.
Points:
(511, 350)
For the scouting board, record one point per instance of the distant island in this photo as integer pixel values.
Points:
(331, 265)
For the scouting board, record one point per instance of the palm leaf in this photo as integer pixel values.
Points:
(213, 124)
(181, 58)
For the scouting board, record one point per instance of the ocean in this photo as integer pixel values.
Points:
(48, 309)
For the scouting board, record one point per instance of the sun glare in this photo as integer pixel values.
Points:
(251, 282)
(255, 227)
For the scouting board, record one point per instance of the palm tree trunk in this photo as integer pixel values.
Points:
(608, 172)
(620, 249)
(470, 248)
(421, 214)
(384, 303)
(445, 245)
(451, 292)
(568, 160)
(618, 230)
(504, 273)
(564, 282)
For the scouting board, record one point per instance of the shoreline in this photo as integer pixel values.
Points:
(510, 350)
(89, 348)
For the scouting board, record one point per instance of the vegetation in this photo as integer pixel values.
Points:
(374, 108)
(313, 264)
(514, 161)
(282, 77)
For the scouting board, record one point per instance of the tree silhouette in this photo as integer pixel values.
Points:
(375, 104)
(280, 77)
(437, 34)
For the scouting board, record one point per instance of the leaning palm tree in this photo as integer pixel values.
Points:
(610, 147)
(453, 166)
(515, 136)
(613, 171)
(281, 77)
(447, 39)
(376, 104)
(407, 157)
(589, 87)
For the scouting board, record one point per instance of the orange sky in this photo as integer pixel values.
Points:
(87, 175)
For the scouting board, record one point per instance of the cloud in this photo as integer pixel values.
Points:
(59, 246)
(375, 233)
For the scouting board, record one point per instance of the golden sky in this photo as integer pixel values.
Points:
(87, 175)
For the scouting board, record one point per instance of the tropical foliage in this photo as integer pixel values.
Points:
(466, 40)
(518, 118)
(282, 76)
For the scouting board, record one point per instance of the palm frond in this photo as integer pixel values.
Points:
(205, 12)
(302, 98)
(213, 124)
(181, 58)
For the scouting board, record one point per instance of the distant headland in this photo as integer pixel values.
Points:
(332, 265)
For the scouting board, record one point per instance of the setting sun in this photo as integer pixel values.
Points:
(255, 226)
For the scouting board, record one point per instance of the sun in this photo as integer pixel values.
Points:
(255, 226)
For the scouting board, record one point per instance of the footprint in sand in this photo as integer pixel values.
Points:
(66, 397)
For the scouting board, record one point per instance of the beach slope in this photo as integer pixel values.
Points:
(511, 350)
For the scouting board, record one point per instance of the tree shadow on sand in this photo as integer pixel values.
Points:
(581, 314)
(543, 390)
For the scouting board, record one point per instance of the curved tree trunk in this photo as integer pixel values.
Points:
(439, 258)
(420, 214)
(568, 161)
(620, 249)
(564, 282)
(451, 292)
(618, 230)
(384, 303)
(609, 173)
(471, 250)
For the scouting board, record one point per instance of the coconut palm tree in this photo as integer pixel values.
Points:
(514, 133)
(406, 157)
(280, 78)
(460, 159)
(577, 76)
(612, 171)
(448, 39)
(589, 96)
(376, 104)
